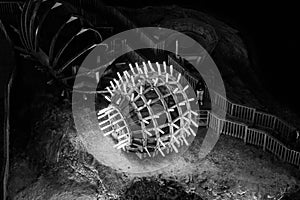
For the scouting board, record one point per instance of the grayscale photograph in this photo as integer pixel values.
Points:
(149, 100)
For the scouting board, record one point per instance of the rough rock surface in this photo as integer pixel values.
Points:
(60, 168)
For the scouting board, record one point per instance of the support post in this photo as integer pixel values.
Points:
(284, 155)
(265, 141)
(219, 126)
(274, 122)
(246, 134)
(232, 107)
(253, 116)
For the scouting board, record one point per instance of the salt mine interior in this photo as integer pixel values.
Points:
(149, 100)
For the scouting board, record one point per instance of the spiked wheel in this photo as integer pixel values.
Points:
(149, 110)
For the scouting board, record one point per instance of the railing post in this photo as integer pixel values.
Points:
(232, 106)
(284, 156)
(219, 120)
(246, 134)
(274, 122)
(207, 119)
(265, 141)
(253, 116)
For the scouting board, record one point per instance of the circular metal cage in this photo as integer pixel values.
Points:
(149, 110)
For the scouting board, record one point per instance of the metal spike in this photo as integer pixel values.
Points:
(105, 109)
(112, 116)
(185, 88)
(131, 68)
(107, 98)
(167, 77)
(176, 140)
(105, 127)
(149, 102)
(182, 103)
(117, 83)
(112, 85)
(153, 116)
(137, 96)
(124, 88)
(101, 116)
(178, 78)
(115, 122)
(127, 76)
(171, 70)
(145, 121)
(150, 65)
(120, 77)
(141, 108)
(148, 133)
(105, 114)
(138, 68)
(193, 112)
(109, 90)
(185, 141)
(183, 117)
(141, 89)
(194, 123)
(121, 144)
(191, 99)
(121, 136)
(103, 122)
(146, 149)
(132, 80)
(145, 68)
(160, 130)
(173, 124)
(187, 131)
(108, 133)
(161, 142)
(192, 131)
(161, 152)
(176, 89)
(158, 68)
(165, 66)
(118, 129)
(174, 147)
(155, 82)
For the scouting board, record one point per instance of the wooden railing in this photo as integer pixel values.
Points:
(248, 118)
(252, 116)
(252, 136)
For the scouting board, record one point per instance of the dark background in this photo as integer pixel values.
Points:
(269, 31)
